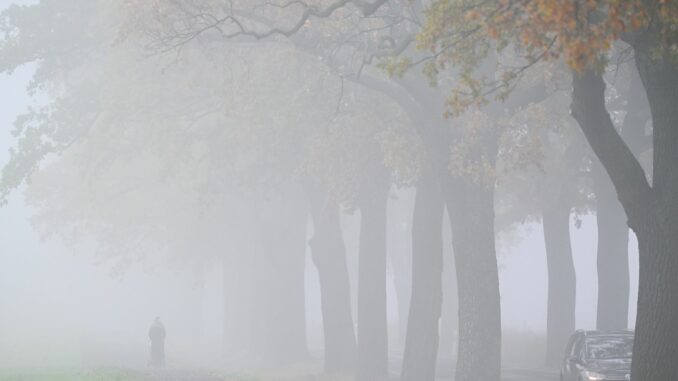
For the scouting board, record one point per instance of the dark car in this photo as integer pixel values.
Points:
(598, 356)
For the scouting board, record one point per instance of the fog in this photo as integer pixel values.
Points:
(336, 190)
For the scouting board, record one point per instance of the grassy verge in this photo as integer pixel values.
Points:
(63, 375)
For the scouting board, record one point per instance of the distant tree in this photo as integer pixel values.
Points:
(369, 31)
(372, 363)
(202, 127)
(149, 177)
(545, 176)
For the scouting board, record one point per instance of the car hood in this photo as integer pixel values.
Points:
(609, 366)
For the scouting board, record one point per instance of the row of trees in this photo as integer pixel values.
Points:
(284, 98)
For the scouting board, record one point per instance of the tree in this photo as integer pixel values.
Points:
(582, 32)
(547, 179)
(144, 176)
(264, 154)
(399, 235)
(421, 345)
(623, 100)
(372, 345)
(180, 25)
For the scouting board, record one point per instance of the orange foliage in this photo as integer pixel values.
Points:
(460, 33)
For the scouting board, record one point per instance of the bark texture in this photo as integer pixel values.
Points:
(449, 321)
(652, 210)
(656, 344)
(421, 345)
(613, 230)
(471, 212)
(400, 211)
(372, 332)
(329, 256)
(562, 285)
(613, 256)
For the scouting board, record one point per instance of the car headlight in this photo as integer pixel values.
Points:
(593, 376)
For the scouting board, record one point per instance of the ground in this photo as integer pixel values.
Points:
(179, 375)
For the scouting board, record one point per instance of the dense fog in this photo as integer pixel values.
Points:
(365, 190)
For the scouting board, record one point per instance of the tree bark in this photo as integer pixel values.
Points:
(470, 208)
(656, 344)
(613, 255)
(421, 343)
(562, 285)
(372, 332)
(329, 256)
(399, 252)
(613, 230)
(652, 211)
(626, 173)
(449, 320)
(402, 281)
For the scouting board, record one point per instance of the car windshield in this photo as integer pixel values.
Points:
(609, 347)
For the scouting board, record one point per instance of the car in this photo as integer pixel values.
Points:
(598, 356)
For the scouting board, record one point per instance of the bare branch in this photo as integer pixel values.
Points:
(234, 23)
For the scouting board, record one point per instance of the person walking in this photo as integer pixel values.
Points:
(157, 335)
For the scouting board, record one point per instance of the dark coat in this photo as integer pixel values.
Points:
(157, 335)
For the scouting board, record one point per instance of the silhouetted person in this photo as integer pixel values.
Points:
(157, 335)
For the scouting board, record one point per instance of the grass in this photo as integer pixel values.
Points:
(112, 375)
(63, 375)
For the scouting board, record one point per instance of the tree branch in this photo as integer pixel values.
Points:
(626, 173)
(197, 23)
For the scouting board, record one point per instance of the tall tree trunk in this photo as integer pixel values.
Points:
(421, 344)
(399, 252)
(562, 285)
(372, 320)
(613, 230)
(402, 283)
(656, 343)
(329, 256)
(470, 208)
(449, 323)
(656, 226)
(613, 255)
(652, 210)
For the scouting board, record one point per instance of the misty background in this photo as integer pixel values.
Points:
(62, 308)
(270, 193)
